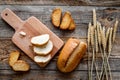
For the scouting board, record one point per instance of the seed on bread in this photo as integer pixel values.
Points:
(40, 40)
(43, 50)
(56, 17)
(13, 57)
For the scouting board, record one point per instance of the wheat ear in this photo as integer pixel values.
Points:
(89, 34)
(103, 38)
(96, 41)
(92, 43)
(96, 49)
(99, 33)
(104, 47)
(107, 36)
(109, 51)
(115, 29)
(94, 17)
(92, 36)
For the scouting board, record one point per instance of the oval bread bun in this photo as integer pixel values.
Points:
(40, 40)
(43, 50)
(42, 59)
(71, 55)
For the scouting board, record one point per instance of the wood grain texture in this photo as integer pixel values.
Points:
(82, 16)
(63, 2)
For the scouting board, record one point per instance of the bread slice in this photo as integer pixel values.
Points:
(56, 17)
(43, 50)
(66, 19)
(42, 59)
(40, 40)
(13, 57)
(72, 24)
(21, 65)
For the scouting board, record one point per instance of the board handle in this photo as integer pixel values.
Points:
(11, 18)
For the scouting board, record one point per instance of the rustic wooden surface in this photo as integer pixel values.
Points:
(42, 10)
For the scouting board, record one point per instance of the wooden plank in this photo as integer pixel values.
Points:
(42, 75)
(114, 63)
(7, 46)
(63, 2)
(49, 75)
(81, 14)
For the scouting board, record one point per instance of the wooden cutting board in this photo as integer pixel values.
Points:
(32, 27)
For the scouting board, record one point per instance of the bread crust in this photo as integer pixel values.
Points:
(72, 24)
(21, 65)
(66, 19)
(56, 17)
(14, 55)
(68, 60)
(40, 38)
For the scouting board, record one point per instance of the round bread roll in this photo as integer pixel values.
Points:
(71, 55)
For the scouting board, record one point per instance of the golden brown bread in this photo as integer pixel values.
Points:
(71, 55)
(56, 17)
(67, 22)
(66, 19)
(17, 65)
(72, 24)
(21, 65)
(13, 57)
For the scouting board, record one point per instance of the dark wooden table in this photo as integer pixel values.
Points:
(81, 10)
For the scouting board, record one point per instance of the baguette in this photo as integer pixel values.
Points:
(71, 55)
(13, 57)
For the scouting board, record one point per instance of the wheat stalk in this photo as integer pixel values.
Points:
(104, 48)
(89, 42)
(92, 43)
(100, 42)
(109, 50)
(115, 29)
(96, 49)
